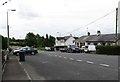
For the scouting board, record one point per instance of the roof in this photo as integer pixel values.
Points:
(65, 38)
(96, 38)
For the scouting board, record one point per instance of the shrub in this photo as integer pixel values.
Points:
(110, 50)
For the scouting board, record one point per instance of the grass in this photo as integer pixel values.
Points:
(41, 48)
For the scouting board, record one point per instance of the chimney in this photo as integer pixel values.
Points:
(88, 33)
(71, 35)
(98, 33)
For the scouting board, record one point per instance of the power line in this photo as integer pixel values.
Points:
(91, 22)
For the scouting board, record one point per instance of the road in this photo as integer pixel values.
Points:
(71, 66)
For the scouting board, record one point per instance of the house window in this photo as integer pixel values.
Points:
(88, 43)
(109, 44)
(77, 44)
(73, 41)
(95, 43)
(103, 43)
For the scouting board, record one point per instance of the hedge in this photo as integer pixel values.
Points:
(109, 50)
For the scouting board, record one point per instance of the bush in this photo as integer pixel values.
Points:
(109, 50)
(41, 48)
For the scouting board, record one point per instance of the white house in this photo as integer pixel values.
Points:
(65, 41)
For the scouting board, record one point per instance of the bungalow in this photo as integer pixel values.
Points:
(98, 39)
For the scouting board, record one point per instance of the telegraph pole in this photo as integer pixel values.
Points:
(116, 37)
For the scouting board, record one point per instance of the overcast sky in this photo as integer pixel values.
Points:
(57, 17)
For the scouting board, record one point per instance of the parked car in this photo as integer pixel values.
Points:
(90, 48)
(26, 50)
(82, 49)
(73, 48)
(63, 49)
(47, 49)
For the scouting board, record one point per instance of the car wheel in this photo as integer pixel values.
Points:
(70, 51)
(33, 53)
(17, 54)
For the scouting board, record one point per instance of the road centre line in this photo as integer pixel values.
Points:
(71, 59)
(60, 56)
(89, 62)
(105, 65)
(78, 60)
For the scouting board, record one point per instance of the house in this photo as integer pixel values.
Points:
(98, 39)
(64, 41)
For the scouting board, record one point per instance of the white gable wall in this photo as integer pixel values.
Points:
(70, 41)
(59, 43)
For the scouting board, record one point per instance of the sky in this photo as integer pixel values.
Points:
(58, 17)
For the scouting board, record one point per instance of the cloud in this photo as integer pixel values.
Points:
(26, 10)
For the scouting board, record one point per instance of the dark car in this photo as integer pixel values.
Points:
(26, 50)
(73, 48)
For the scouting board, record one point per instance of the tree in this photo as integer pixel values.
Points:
(13, 39)
(39, 40)
(4, 43)
(51, 41)
(30, 39)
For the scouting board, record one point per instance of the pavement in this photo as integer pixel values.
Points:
(14, 70)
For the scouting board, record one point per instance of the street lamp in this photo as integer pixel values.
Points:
(8, 26)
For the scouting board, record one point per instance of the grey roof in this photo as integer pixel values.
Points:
(96, 38)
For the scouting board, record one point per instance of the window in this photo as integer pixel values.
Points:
(95, 43)
(88, 43)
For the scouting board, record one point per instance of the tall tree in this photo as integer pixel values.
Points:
(51, 41)
(31, 39)
(4, 43)
(39, 40)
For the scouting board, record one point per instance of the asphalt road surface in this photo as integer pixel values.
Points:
(70, 66)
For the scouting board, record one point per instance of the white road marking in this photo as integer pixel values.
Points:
(65, 57)
(105, 65)
(71, 59)
(56, 55)
(89, 62)
(25, 70)
(59, 56)
(78, 60)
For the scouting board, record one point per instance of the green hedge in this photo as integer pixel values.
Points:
(109, 50)
(41, 48)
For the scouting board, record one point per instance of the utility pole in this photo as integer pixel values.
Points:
(116, 37)
(8, 41)
(118, 41)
